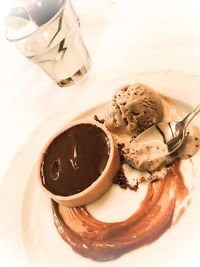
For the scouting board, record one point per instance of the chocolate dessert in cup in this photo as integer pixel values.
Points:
(79, 163)
(47, 32)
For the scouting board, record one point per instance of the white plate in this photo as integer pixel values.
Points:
(27, 217)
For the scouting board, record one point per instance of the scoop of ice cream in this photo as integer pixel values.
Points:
(134, 108)
(153, 156)
(146, 156)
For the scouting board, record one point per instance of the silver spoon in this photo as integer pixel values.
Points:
(170, 133)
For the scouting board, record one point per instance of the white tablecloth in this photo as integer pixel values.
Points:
(121, 35)
(144, 35)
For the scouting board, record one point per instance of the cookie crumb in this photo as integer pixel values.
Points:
(121, 156)
(121, 178)
(98, 120)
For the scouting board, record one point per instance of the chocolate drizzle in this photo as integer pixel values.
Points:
(102, 241)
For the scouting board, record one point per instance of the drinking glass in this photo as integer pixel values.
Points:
(47, 32)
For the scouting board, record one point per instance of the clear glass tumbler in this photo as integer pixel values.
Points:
(50, 36)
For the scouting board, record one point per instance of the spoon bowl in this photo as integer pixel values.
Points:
(172, 134)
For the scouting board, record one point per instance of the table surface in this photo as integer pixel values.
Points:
(149, 35)
(142, 36)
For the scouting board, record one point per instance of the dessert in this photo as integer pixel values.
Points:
(103, 241)
(134, 108)
(78, 165)
(152, 156)
(167, 194)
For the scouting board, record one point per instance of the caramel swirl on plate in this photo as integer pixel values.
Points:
(102, 241)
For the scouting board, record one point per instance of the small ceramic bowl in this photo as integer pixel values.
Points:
(99, 186)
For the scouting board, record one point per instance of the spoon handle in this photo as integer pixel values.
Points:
(191, 116)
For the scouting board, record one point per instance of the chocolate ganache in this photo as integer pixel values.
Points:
(75, 159)
(102, 241)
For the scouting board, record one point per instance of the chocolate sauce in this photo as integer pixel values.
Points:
(102, 241)
(75, 159)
